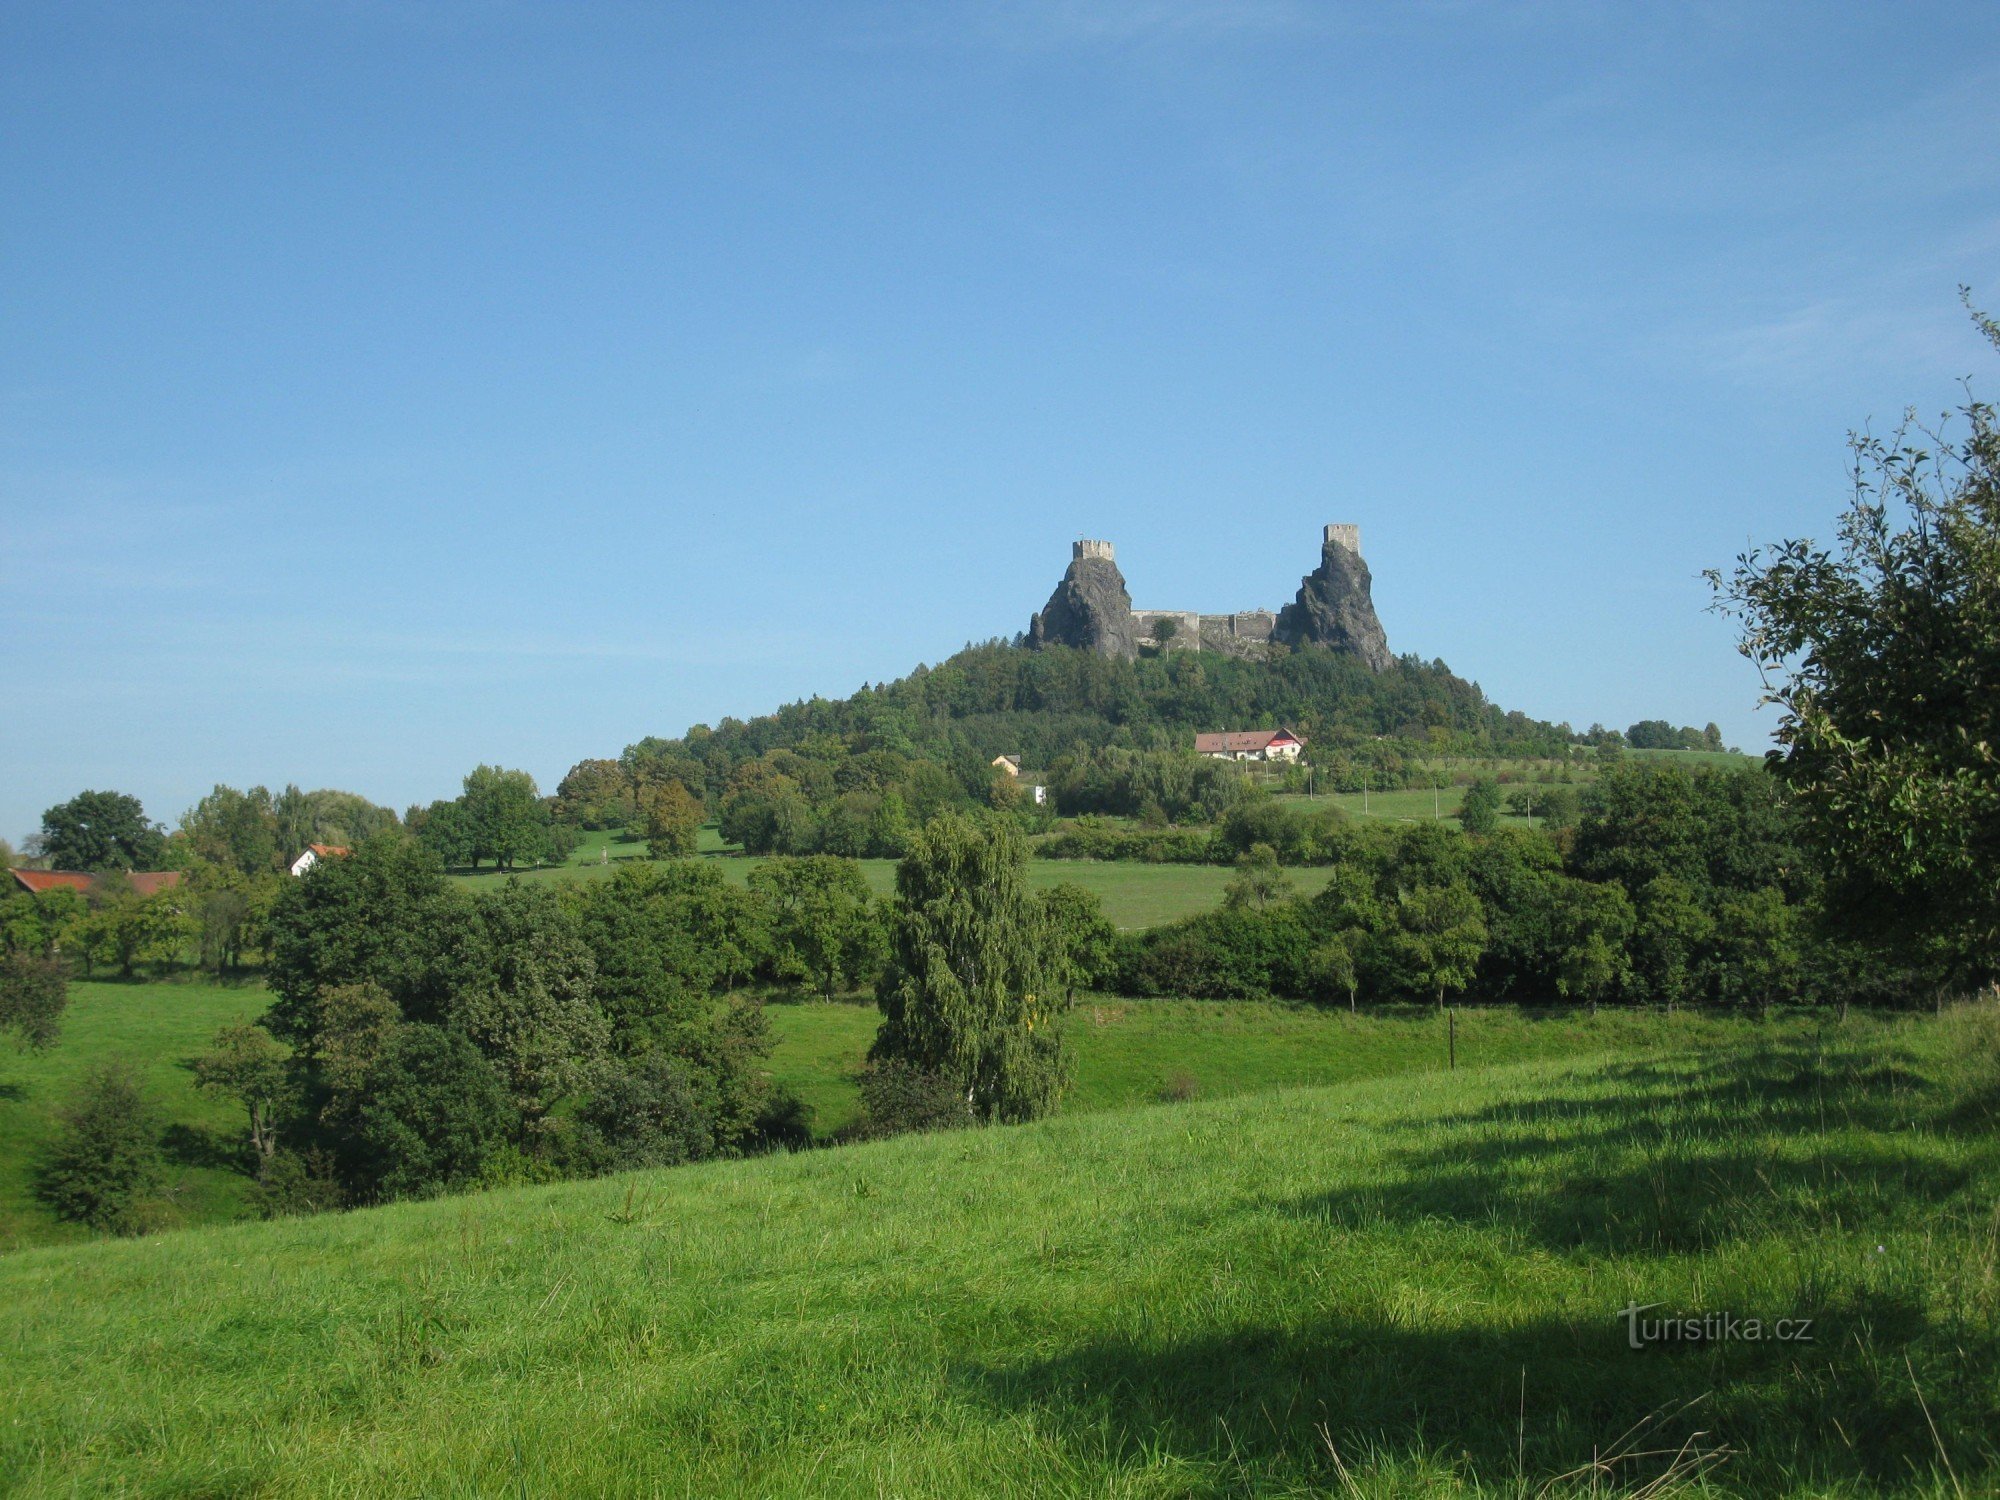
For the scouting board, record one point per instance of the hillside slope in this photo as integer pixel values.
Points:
(1412, 1283)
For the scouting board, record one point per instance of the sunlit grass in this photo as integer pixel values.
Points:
(1403, 1286)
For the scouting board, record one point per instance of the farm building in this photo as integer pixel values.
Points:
(145, 882)
(1250, 744)
(315, 853)
(1011, 764)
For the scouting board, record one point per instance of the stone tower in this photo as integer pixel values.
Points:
(1345, 535)
(1083, 549)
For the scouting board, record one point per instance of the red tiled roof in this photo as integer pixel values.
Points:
(1237, 741)
(329, 851)
(145, 882)
(49, 880)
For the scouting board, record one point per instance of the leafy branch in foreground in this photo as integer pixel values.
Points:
(1883, 653)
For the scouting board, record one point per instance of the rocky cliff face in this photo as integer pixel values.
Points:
(1090, 608)
(1336, 608)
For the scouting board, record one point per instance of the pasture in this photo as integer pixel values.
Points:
(1134, 894)
(153, 1028)
(1401, 1286)
(1131, 1052)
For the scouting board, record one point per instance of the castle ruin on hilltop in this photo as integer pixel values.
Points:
(1334, 609)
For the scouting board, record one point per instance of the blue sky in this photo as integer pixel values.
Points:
(386, 388)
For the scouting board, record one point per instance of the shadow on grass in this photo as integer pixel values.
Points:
(1510, 1407)
(194, 1146)
(1677, 1157)
(9, 1092)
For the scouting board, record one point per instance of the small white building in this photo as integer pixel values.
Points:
(315, 853)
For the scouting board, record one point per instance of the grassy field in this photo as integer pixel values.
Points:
(1139, 1051)
(1134, 894)
(1396, 1287)
(153, 1027)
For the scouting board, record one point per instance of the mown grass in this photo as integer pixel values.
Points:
(153, 1028)
(1404, 1286)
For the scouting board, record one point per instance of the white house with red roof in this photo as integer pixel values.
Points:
(315, 853)
(1250, 744)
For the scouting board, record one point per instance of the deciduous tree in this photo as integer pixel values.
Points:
(101, 831)
(1883, 654)
(244, 1064)
(104, 1162)
(672, 819)
(967, 994)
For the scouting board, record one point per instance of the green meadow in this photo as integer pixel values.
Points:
(1134, 894)
(1404, 1285)
(153, 1028)
(1127, 1052)
(1139, 1051)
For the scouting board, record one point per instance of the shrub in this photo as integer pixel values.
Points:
(1090, 838)
(298, 1183)
(1225, 955)
(785, 1123)
(898, 1097)
(34, 989)
(648, 1112)
(105, 1162)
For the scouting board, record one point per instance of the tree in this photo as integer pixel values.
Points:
(221, 916)
(672, 819)
(1259, 881)
(375, 917)
(101, 831)
(244, 1064)
(1348, 915)
(967, 993)
(1592, 927)
(123, 927)
(41, 921)
(506, 819)
(104, 1162)
(1336, 968)
(649, 1111)
(34, 991)
(445, 829)
(1081, 941)
(1670, 930)
(1480, 811)
(526, 996)
(1883, 654)
(1754, 953)
(236, 830)
(823, 924)
(1440, 933)
(595, 794)
(434, 1115)
(356, 1025)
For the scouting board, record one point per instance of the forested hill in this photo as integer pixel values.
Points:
(998, 699)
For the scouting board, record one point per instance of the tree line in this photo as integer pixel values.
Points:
(422, 1037)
